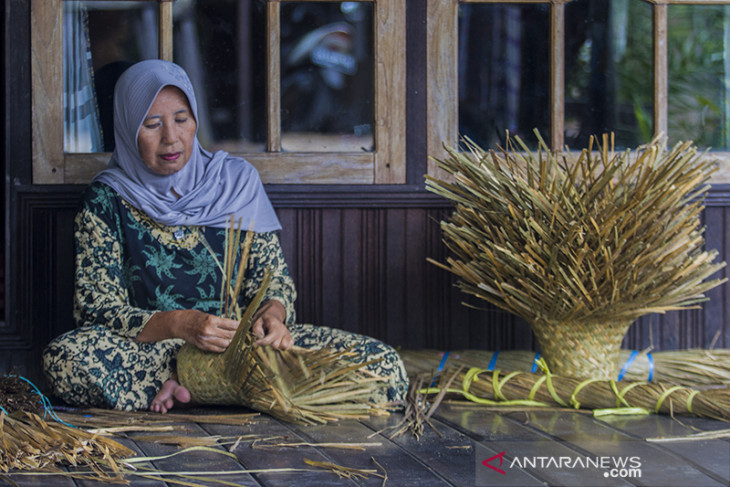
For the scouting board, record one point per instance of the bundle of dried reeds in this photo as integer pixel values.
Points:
(527, 389)
(30, 443)
(579, 247)
(297, 385)
(691, 368)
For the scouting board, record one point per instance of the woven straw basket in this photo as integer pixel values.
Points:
(581, 350)
(203, 374)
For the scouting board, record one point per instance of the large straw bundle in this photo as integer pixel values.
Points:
(691, 368)
(304, 386)
(524, 389)
(579, 248)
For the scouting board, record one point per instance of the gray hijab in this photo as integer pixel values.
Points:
(212, 187)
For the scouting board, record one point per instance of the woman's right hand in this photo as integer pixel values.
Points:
(205, 331)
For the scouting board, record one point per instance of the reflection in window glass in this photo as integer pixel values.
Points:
(699, 60)
(504, 72)
(222, 46)
(100, 40)
(327, 76)
(608, 71)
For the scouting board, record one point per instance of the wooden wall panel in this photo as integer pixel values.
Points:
(366, 270)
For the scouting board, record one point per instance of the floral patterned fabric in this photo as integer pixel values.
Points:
(128, 267)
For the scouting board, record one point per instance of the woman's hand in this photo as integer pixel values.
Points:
(269, 325)
(207, 332)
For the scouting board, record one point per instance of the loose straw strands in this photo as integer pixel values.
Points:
(29, 443)
(110, 418)
(575, 243)
(523, 389)
(418, 410)
(298, 385)
(692, 367)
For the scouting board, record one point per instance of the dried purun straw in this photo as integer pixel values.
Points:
(690, 367)
(298, 385)
(579, 247)
(30, 443)
(520, 389)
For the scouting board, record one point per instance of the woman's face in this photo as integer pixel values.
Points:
(166, 137)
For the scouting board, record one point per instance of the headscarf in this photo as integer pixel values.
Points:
(212, 187)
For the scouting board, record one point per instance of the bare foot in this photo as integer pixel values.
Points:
(171, 393)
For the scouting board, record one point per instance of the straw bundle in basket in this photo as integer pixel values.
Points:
(579, 247)
(297, 385)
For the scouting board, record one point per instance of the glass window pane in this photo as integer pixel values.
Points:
(699, 62)
(327, 76)
(221, 44)
(608, 71)
(504, 71)
(100, 40)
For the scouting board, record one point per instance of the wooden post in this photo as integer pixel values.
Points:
(557, 76)
(661, 70)
(273, 20)
(165, 39)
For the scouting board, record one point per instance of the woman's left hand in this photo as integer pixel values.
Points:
(269, 325)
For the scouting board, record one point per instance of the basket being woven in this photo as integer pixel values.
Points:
(297, 385)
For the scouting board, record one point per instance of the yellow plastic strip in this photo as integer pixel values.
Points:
(620, 396)
(573, 397)
(471, 376)
(535, 387)
(689, 400)
(498, 384)
(597, 413)
(549, 382)
(666, 395)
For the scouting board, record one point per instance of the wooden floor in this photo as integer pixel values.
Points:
(476, 447)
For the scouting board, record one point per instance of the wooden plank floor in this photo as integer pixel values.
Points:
(520, 448)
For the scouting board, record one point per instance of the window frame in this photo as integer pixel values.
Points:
(385, 165)
(442, 82)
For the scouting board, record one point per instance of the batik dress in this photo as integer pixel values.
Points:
(128, 267)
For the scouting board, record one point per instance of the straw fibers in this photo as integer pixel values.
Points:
(296, 385)
(525, 389)
(579, 246)
(30, 443)
(691, 368)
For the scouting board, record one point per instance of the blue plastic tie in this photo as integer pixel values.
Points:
(493, 362)
(534, 363)
(651, 366)
(440, 368)
(628, 363)
(47, 407)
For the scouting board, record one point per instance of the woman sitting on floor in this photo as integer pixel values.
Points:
(146, 281)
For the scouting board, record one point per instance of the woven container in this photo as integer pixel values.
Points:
(203, 375)
(581, 350)
(297, 385)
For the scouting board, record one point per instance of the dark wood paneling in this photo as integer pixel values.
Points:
(40, 275)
